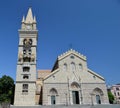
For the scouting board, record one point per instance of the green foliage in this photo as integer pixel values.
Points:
(111, 97)
(6, 89)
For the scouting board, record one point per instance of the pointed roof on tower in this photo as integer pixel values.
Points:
(34, 20)
(23, 20)
(29, 17)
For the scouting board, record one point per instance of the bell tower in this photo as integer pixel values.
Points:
(25, 87)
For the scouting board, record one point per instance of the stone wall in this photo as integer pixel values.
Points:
(64, 93)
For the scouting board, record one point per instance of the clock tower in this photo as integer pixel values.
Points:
(25, 87)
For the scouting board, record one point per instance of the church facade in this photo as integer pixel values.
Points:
(69, 82)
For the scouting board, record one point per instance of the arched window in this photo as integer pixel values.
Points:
(25, 77)
(27, 41)
(73, 66)
(30, 41)
(26, 69)
(80, 67)
(65, 67)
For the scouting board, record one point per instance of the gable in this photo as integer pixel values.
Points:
(73, 65)
(72, 52)
(67, 57)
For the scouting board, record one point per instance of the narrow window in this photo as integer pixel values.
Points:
(80, 67)
(30, 51)
(25, 88)
(118, 94)
(73, 66)
(24, 51)
(65, 67)
(30, 41)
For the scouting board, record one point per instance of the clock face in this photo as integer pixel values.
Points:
(28, 27)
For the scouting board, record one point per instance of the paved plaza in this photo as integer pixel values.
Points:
(71, 106)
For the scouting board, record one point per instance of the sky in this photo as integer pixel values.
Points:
(91, 27)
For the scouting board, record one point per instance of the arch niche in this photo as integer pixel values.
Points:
(97, 96)
(53, 93)
(75, 93)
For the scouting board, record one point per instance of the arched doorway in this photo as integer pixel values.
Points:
(53, 93)
(75, 93)
(98, 93)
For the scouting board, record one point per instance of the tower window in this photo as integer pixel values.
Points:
(27, 42)
(30, 51)
(26, 69)
(26, 59)
(25, 88)
(30, 41)
(24, 51)
(25, 77)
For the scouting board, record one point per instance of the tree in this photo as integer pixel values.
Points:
(6, 89)
(111, 97)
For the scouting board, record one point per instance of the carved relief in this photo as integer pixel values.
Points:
(27, 42)
(20, 57)
(33, 57)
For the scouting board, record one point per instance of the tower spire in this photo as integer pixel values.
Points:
(26, 74)
(34, 19)
(23, 20)
(29, 18)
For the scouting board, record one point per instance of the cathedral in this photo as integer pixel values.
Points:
(69, 82)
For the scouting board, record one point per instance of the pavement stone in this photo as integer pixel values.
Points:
(70, 106)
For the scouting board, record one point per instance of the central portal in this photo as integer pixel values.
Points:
(75, 96)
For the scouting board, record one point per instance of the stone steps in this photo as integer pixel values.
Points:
(71, 106)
